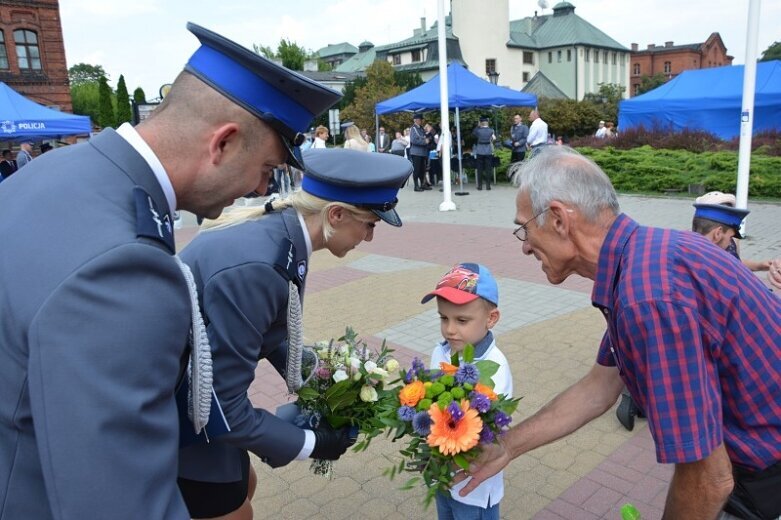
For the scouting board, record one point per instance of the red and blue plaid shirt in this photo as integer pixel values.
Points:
(696, 338)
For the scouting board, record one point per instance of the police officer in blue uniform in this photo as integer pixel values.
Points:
(484, 152)
(250, 268)
(96, 311)
(418, 152)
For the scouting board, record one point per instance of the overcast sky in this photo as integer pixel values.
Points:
(146, 40)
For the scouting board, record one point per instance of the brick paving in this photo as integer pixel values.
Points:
(549, 334)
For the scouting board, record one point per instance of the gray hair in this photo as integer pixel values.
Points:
(561, 173)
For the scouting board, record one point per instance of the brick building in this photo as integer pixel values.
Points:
(32, 53)
(671, 59)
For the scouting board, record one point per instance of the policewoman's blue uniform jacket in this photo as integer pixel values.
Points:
(244, 302)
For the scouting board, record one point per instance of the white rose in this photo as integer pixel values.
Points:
(380, 372)
(392, 365)
(355, 363)
(340, 375)
(368, 394)
(357, 375)
(369, 366)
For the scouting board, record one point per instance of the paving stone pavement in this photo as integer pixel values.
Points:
(549, 334)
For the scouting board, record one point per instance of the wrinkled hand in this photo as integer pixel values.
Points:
(774, 273)
(331, 444)
(492, 459)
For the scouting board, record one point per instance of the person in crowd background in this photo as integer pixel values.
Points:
(353, 139)
(484, 153)
(321, 137)
(7, 165)
(518, 134)
(95, 331)
(24, 155)
(538, 132)
(418, 152)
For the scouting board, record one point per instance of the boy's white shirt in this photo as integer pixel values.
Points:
(491, 491)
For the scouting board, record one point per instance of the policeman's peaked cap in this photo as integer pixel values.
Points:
(285, 100)
(366, 180)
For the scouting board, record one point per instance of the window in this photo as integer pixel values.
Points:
(397, 59)
(569, 54)
(416, 55)
(668, 67)
(528, 58)
(636, 69)
(636, 88)
(490, 66)
(3, 52)
(550, 57)
(588, 55)
(613, 57)
(604, 57)
(27, 53)
(525, 77)
(558, 56)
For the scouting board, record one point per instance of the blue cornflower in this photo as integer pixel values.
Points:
(418, 366)
(480, 402)
(406, 413)
(467, 373)
(421, 423)
(502, 419)
(455, 411)
(486, 435)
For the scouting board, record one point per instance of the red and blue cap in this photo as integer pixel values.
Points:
(465, 283)
(285, 100)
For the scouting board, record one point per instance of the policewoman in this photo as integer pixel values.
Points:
(250, 269)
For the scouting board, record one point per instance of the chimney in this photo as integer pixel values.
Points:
(668, 44)
(651, 46)
(535, 14)
(423, 23)
(634, 47)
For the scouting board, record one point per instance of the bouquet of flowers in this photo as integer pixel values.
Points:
(347, 381)
(446, 414)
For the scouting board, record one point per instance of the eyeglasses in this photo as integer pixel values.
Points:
(521, 231)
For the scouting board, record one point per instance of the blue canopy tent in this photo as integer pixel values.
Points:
(707, 99)
(21, 118)
(465, 90)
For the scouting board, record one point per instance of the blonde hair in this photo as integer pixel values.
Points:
(320, 130)
(354, 133)
(303, 202)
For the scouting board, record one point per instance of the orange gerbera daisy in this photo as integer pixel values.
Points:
(412, 393)
(454, 436)
(447, 368)
(486, 391)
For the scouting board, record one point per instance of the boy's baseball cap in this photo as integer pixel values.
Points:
(465, 283)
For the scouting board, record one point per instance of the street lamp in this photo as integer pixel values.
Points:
(493, 77)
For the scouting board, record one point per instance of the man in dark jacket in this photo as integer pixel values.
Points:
(518, 133)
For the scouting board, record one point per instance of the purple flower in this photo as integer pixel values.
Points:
(418, 366)
(409, 376)
(480, 402)
(323, 373)
(421, 423)
(406, 413)
(502, 419)
(467, 373)
(455, 411)
(486, 435)
(433, 375)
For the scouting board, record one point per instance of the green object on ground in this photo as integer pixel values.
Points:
(629, 512)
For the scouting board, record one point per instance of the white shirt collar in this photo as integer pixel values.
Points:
(307, 238)
(129, 134)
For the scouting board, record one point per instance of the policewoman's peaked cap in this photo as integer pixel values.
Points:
(285, 100)
(364, 179)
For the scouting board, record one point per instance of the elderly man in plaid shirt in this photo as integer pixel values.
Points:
(692, 333)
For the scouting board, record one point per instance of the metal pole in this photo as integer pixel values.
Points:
(376, 130)
(747, 110)
(444, 134)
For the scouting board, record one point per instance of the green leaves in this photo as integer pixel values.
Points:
(487, 370)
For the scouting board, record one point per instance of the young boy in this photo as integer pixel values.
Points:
(467, 299)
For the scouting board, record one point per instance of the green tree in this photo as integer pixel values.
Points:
(648, 83)
(85, 97)
(606, 100)
(772, 53)
(266, 52)
(124, 115)
(379, 85)
(82, 73)
(106, 117)
(292, 54)
(139, 96)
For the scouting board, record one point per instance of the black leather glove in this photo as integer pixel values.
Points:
(331, 444)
